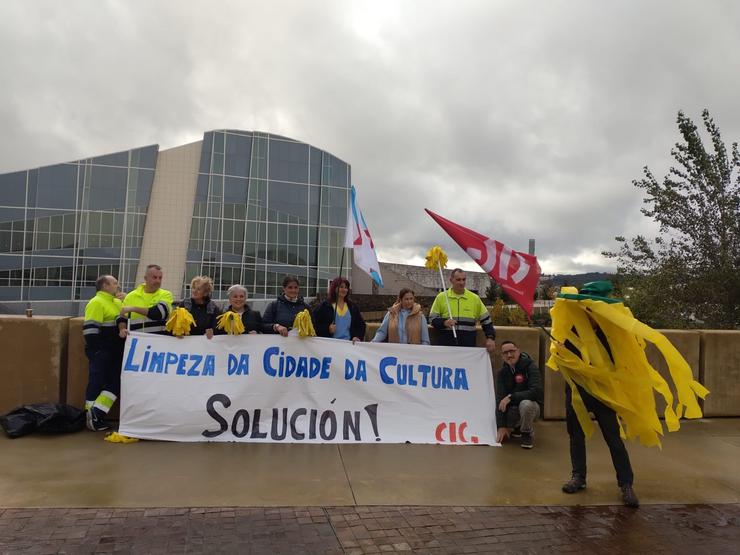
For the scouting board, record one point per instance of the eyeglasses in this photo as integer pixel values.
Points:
(510, 352)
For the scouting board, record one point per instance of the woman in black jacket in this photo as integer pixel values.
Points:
(237, 295)
(280, 313)
(338, 317)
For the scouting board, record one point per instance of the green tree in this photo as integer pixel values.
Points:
(498, 313)
(546, 290)
(493, 292)
(517, 317)
(690, 273)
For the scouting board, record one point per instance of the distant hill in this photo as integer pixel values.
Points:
(579, 279)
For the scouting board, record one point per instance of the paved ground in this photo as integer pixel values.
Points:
(361, 529)
(700, 464)
(79, 494)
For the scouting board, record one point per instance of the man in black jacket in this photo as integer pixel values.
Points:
(518, 395)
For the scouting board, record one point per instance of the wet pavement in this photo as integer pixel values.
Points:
(80, 494)
(363, 529)
(700, 464)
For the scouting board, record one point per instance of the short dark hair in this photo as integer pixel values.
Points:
(155, 266)
(508, 342)
(334, 285)
(455, 271)
(287, 280)
(402, 293)
(102, 280)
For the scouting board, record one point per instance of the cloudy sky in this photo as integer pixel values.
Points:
(518, 119)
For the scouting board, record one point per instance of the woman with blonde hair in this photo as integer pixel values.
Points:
(404, 322)
(202, 308)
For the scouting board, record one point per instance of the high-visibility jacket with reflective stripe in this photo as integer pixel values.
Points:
(159, 305)
(100, 326)
(467, 308)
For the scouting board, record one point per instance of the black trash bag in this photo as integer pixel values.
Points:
(46, 418)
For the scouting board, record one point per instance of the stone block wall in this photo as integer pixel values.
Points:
(33, 368)
(720, 372)
(44, 361)
(77, 364)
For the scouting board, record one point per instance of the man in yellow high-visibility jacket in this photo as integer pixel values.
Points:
(148, 306)
(104, 350)
(466, 309)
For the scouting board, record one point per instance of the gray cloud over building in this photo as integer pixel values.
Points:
(517, 119)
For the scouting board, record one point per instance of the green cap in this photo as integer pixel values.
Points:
(600, 288)
(594, 290)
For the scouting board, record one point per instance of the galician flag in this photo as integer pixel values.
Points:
(358, 239)
(518, 273)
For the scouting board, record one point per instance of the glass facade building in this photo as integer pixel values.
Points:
(267, 206)
(63, 225)
(264, 206)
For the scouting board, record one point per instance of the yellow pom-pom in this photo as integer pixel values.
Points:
(304, 325)
(436, 257)
(231, 323)
(115, 437)
(180, 322)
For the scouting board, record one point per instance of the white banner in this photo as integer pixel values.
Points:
(268, 388)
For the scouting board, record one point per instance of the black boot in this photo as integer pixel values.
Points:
(628, 497)
(575, 484)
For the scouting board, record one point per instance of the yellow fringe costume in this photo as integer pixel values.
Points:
(628, 384)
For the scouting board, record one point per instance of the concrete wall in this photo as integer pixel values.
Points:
(420, 279)
(170, 213)
(393, 282)
(44, 361)
(77, 364)
(33, 368)
(720, 372)
(527, 339)
(361, 282)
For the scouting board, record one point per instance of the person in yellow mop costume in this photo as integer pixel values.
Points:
(599, 348)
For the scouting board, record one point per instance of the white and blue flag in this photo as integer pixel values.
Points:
(358, 239)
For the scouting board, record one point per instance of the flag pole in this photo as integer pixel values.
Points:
(543, 328)
(341, 269)
(437, 257)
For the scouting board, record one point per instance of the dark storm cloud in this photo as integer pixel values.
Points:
(517, 119)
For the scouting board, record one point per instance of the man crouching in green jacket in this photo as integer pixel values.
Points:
(518, 395)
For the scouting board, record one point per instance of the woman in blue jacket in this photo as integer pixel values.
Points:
(338, 317)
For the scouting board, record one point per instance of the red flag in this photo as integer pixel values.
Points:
(518, 273)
